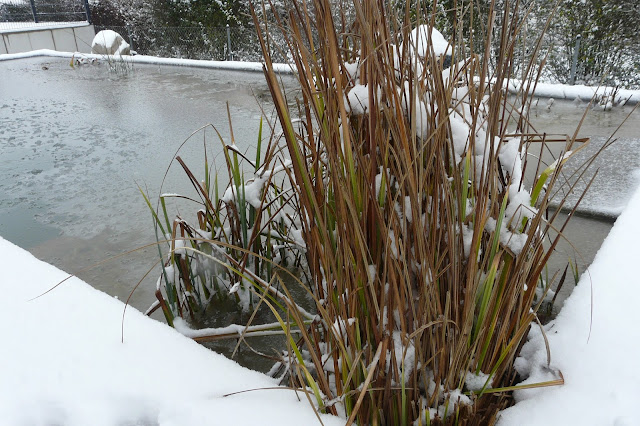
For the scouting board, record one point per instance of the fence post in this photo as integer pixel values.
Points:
(574, 64)
(87, 11)
(130, 39)
(229, 55)
(34, 12)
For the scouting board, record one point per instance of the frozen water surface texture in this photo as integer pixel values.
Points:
(617, 166)
(77, 141)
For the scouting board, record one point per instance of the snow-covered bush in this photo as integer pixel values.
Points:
(608, 50)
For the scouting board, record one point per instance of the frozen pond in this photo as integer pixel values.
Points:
(75, 143)
(617, 176)
(618, 166)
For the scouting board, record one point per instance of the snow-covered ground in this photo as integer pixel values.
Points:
(62, 362)
(594, 342)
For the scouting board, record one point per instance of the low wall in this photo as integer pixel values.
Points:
(72, 37)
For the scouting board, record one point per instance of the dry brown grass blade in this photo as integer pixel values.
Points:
(196, 184)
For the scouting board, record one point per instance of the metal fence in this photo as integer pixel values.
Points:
(15, 13)
(210, 43)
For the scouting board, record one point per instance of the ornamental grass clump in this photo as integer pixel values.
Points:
(424, 240)
(399, 184)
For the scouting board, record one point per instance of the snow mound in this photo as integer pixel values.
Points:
(108, 42)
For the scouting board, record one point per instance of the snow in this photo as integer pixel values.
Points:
(467, 239)
(109, 42)
(513, 240)
(358, 99)
(340, 326)
(460, 131)
(63, 362)
(405, 355)
(422, 110)
(476, 382)
(353, 69)
(298, 238)
(594, 343)
(252, 192)
(236, 329)
(105, 38)
(579, 92)
(519, 207)
(420, 40)
(449, 401)
(511, 160)
(179, 246)
(154, 60)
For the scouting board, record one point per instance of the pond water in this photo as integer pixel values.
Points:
(617, 166)
(616, 171)
(77, 142)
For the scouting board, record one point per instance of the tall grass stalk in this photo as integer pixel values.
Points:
(423, 241)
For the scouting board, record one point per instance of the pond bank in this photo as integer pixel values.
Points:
(152, 60)
(63, 362)
(594, 343)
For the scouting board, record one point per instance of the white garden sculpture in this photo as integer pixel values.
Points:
(108, 42)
